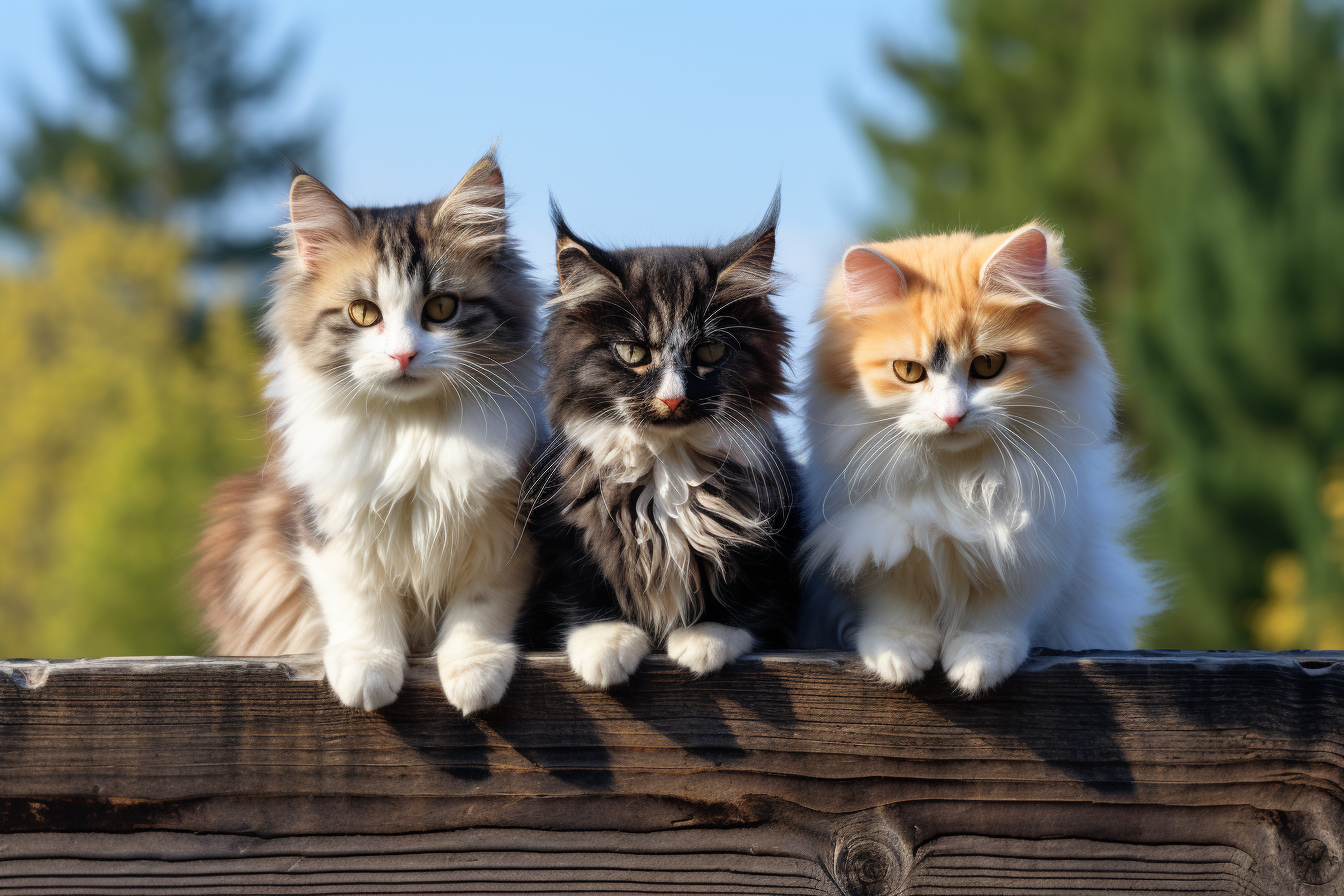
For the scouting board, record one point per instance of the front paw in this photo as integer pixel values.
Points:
(899, 656)
(708, 646)
(605, 654)
(977, 661)
(475, 676)
(363, 677)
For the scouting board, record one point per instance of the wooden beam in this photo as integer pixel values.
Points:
(794, 773)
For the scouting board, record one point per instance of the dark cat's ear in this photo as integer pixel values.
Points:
(1019, 265)
(473, 213)
(871, 280)
(749, 261)
(583, 270)
(318, 220)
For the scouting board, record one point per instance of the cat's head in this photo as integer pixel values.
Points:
(956, 340)
(416, 302)
(665, 337)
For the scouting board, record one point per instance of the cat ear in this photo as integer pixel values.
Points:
(474, 211)
(582, 269)
(318, 219)
(1020, 264)
(871, 280)
(750, 259)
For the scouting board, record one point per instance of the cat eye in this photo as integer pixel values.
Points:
(709, 353)
(364, 313)
(632, 354)
(908, 371)
(986, 367)
(440, 308)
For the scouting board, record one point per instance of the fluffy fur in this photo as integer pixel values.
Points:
(385, 520)
(664, 500)
(965, 518)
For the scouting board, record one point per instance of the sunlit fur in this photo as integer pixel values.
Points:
(970, 543)
(664, 502)
(385, 519)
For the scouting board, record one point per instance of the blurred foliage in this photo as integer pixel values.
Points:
(117, 423)
(1192, 152)
(129, 399)
(171, 130)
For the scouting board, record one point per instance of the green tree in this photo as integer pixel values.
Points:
(1191, 152)
(178, 137)
(116, 426)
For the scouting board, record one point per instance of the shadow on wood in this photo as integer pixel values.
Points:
(1145, 772)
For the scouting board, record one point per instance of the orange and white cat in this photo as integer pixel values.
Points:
(966, 483)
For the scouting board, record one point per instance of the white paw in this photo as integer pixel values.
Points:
(977, 661)
(476, 675)
(363, 677)
(605, 654)
(708, 646)
(899, 656)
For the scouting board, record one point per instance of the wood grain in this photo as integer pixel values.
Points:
(791, 773)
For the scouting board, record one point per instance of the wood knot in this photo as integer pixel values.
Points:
(1314, 862)
(866, 866)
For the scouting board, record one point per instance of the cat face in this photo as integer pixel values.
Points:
(407, 303)
(667, 337)
(956, 340)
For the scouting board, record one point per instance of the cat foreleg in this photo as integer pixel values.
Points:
(898, 638)
(989, 645)
(365, 656)
(476, 653)
(605, 654)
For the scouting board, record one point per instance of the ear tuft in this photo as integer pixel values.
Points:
(582, 269)
(1019, 264)
(871, 280)
(318, 219)
(474, 210)
(749, 260)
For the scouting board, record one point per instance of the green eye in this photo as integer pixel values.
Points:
(440, 308)
(631, 354)
(986, 367)
(709, 353)
(908, 371)
(364, 313)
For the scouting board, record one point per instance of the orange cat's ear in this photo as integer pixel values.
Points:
(318, 219)
(871, 280)
(1019, 264)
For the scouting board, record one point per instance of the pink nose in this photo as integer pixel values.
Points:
(671, 403)
(404, 359)
(951, 421)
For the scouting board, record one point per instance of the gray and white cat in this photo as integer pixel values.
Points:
(385, 520)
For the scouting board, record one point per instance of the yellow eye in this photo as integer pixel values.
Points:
(908, 371)
(709, 353)
(631, 354)
(364, 313)
(440, 308)
(986, 367)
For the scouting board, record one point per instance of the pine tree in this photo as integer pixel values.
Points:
(1190, 151)
(178, 139)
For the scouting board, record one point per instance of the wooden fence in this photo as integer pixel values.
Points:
(1145, 772)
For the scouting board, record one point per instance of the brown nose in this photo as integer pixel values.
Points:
(671, 403)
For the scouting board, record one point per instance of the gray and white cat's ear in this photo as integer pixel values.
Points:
(749, 270)
(1020, 264)
(871, 280)
(582, 269)
(473, 213)
(318, 220)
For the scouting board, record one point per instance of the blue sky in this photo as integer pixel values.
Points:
(651, 122)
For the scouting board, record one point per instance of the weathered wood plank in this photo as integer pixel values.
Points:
(1145, 772)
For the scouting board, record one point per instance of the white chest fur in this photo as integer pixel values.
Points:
(407, 490)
